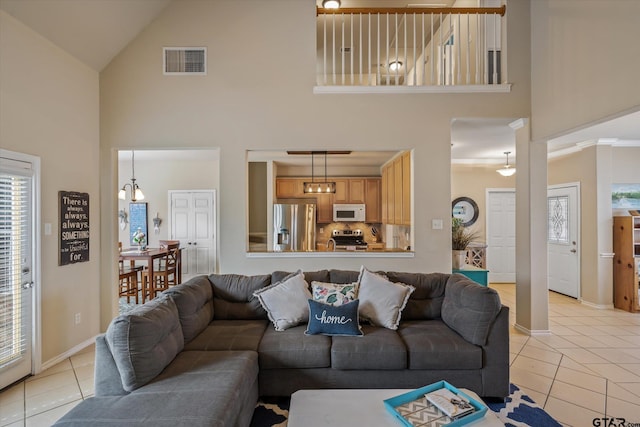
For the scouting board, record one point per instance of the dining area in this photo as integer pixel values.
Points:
(145, 272)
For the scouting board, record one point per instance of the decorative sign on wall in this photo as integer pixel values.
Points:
(137, 219)
(74, 227)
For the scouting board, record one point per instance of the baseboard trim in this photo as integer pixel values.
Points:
(72, 351)
(530, 332)
(598, 306)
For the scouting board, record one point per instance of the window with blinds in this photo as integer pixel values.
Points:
(15, 256)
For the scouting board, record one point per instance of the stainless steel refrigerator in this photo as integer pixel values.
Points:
(294, 227)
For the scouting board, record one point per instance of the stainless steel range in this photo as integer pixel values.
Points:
(347, 240)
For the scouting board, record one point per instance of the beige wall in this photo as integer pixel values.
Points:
(49, 108)
(249, 102)
(585, 62)
(473, 181)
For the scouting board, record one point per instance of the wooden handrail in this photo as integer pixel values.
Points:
(414, 10)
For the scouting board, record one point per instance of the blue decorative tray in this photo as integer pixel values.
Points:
(412, 409)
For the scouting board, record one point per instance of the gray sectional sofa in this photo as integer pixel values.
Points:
(202, 352)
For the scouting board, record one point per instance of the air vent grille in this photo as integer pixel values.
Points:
(185, 60)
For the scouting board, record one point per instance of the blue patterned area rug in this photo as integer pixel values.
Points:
(519, 410)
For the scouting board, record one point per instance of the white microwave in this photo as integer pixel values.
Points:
(348, 212)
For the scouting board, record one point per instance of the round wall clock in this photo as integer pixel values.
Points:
(465, 209)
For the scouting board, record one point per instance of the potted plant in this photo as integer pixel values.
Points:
(460, 239)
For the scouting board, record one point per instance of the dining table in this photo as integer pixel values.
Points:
(147, 256)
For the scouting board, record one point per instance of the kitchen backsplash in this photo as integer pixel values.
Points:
(323, 231)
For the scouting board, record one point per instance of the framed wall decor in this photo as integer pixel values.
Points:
(74, 227)
(466, 209)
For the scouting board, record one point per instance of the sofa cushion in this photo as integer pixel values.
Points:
(286, 301)
(381, 301)
(144, 341)
(233, 296)
(343, 276)
(426, 301)
(229, 335)
(431, 344)
(326, 319)
(379, 348)
(194, 300)
(293, 349)
(470, 309)
(197, 389)
(334, 293)
(309, 276)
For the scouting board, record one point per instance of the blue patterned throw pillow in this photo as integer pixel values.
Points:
(331, 320)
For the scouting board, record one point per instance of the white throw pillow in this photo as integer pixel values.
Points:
(381, 301)
(286, 301)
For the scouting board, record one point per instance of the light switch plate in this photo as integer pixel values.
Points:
(47, 229)
(436, 224)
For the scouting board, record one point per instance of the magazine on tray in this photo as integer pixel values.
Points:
(451, 404)
(415, 409)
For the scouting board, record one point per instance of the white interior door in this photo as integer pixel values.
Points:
(501, 235)
(193, 223)
(562, 236)
(16, 269)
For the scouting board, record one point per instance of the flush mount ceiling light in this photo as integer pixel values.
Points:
(506, 170)
(136, 193)
(325, 186)
(395, 65)
(331, 4)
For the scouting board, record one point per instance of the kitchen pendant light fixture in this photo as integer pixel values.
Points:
(506, 170)
(331, 4)
(136, 193)
(313, 187)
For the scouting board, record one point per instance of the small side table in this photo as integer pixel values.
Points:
(474, 273)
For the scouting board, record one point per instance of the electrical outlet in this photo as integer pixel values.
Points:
(77, 318)
(437, 224)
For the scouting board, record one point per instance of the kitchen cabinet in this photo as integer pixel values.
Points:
(372, 199)
(626, 274)
(324, 208)
(349, 190)
(406, 188)
(289, 188)
(396, 191)
(388, 196)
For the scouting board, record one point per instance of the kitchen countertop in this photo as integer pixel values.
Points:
(379, 253)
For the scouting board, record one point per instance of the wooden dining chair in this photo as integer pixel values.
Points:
(128, 279)
(165, 272)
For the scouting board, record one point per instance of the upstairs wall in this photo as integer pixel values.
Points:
(585, 63)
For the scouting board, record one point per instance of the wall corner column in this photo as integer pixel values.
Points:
(532, 297)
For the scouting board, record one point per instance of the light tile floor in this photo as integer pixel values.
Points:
(589, 367)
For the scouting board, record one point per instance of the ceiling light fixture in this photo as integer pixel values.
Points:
(395, 65)
(506, 170)
(136, 193)
(331, 4)
(325, 186)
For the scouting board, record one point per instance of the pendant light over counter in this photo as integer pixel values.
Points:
(318, 187)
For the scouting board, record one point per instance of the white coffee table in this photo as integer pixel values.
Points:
(344, 408)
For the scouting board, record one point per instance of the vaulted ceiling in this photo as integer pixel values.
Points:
(95, 31)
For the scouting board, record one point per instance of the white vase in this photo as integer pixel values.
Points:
(458, 258)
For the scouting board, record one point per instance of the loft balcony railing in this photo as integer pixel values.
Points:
(411, 49)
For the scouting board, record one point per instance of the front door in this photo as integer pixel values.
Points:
(16, 264)
(562, 237)
(193, 223)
